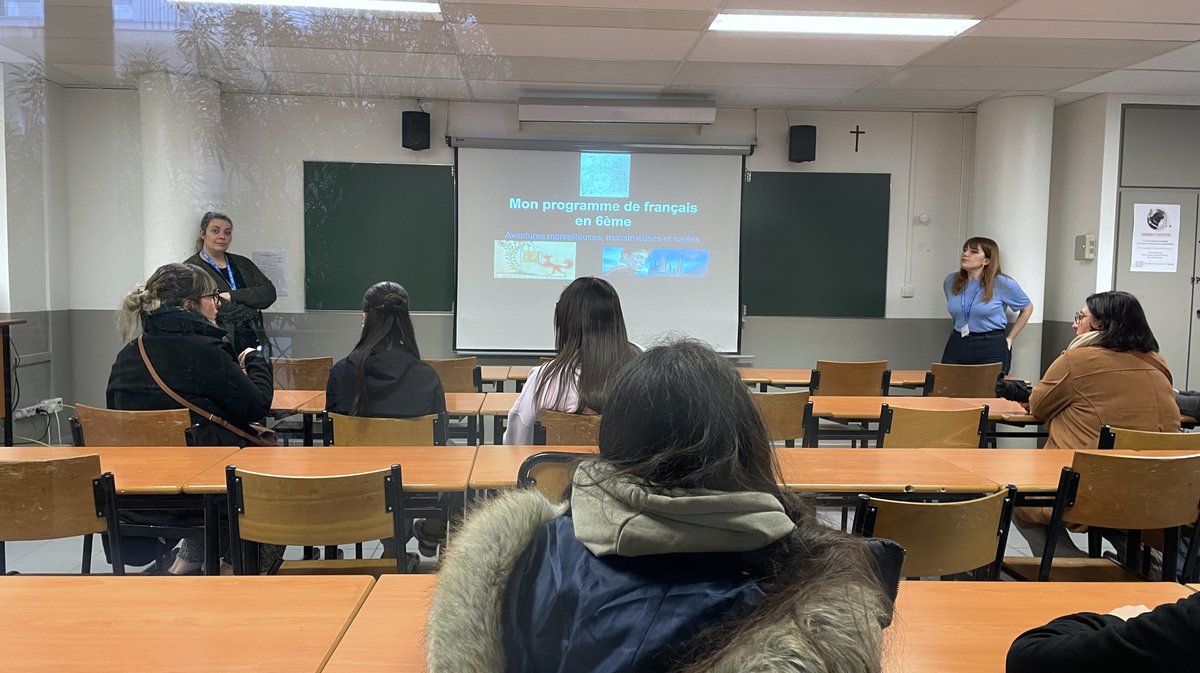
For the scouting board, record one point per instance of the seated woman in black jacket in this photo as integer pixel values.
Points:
(384, 376)
(174, 317)
(1130, 638)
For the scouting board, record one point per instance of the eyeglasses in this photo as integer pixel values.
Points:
(216, 297)
(1080, 315)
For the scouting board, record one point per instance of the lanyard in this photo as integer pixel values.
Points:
(228, 271)
(967, 306)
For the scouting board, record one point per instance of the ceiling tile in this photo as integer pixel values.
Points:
(81, 51)
(574, 42)
(966, 8)
(487, 14)
(905, 99)
(104, 76)
(334, 31)
(785, 76)
(349, 62)
(366, 86)
(748, 48)
(1184, 58)
(508, 92)
(1040, 53)
(774, 97)
(974, 79)
(64, 78)
(1143, 81)
(606, 4)
(1157, 11)
(1098, 30)
(79, 22)
(527, 69)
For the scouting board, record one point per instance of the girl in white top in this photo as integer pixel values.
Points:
(592, 346)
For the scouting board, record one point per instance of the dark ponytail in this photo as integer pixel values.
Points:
(387, 326)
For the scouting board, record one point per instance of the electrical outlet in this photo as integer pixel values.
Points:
(53, 405)
(50, 406)
(907, 291)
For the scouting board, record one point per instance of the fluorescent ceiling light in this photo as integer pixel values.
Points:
(842, 25)
(366, 5)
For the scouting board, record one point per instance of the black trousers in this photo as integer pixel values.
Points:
(978, 349)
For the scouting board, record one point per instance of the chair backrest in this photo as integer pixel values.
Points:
(301, 373)
(334, 510)
(549, 472)
(1132, 492)
(942, 538)
(92, 426)
(901, 428)
(786, 414)
(47, 499)
(458, 375)
(564, 429)
(1141, 440)
(831, 377)
(428, 430)
(962, 380)
(544, 359)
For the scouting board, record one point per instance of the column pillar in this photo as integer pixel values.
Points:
(1011, 201)
(181, 172)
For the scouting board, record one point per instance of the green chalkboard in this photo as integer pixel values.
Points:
(815, 244)
(369, 222)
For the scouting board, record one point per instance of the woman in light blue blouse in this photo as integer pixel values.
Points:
(978, 297)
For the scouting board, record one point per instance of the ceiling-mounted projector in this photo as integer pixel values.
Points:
(617, 110)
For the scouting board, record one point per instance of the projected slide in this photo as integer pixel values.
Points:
(664, 229)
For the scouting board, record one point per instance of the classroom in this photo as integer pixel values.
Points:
(349, 146)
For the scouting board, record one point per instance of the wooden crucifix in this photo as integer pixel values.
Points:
(857, 133)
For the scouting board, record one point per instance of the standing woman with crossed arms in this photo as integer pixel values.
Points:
(978, 297)
(243, 289)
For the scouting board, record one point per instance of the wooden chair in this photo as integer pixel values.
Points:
(550, 472)
(64, 497)
(428, 430)
(1132, 493)
(92, 426)
(831, 377)
(337, 510)
(786, 414)
(942, 538)
(962, 380)
(564, 429)
(458, 375)
(1141, 440)
(901, 428)
(301, 373)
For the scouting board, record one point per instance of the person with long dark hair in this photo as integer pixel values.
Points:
(244, 290)
(978, 297)
(384, 375)
(677, 551)
(590, 344)
(1110, 374)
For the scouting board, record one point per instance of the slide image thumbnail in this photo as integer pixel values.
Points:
(604, 175)
(537, 260)
(624, 262)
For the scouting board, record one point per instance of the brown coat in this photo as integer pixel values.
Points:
(1093, 386)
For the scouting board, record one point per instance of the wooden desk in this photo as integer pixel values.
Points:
(908, 378)
(288, 402)
(497, 466)
(967, 627)
(388, 633)
(6, 353)
(94, 624)
(901, 378)
(495, 375)
(866, 408)
(138, 470)
(876, 471)
(519, 373)
(425, 468)
(467, 404)
(497, 405)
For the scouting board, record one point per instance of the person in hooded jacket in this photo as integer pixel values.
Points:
(676, 552)
(384, 377)
(174, 315)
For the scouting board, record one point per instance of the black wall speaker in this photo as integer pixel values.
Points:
(802, 143)
(414, 126)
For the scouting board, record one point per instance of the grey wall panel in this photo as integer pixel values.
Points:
(1159, 147)
(94, 346)
(1055, 337)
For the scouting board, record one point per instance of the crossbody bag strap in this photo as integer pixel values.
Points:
(211, 417)
(1146, 357)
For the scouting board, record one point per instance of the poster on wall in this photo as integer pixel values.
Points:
(1155, 246)
(273, 264)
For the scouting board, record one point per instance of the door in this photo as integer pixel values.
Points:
(1158, 266)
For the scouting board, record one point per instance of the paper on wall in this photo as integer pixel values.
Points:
(273, 264)
(1155, 247)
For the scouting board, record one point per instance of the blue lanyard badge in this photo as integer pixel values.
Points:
(966, 309)
(227, 272)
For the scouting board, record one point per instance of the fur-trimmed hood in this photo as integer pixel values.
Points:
(465, 631)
